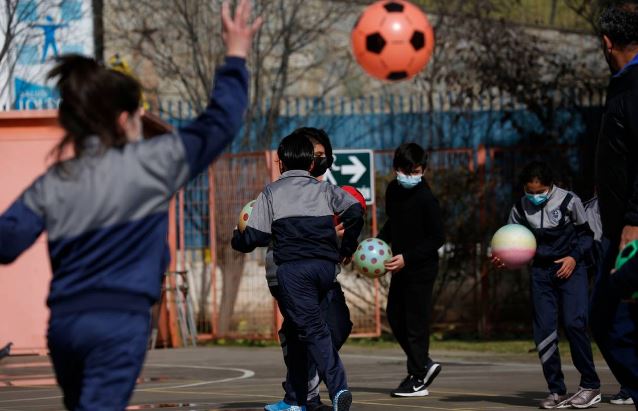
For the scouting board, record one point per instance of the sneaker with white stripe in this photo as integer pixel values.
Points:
(411, 387)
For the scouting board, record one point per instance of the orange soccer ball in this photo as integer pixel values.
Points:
(392, 40)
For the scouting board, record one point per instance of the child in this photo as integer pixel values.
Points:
(105, 212)
(295, 213)
(334, 310)
(414, 229)
(559, 282)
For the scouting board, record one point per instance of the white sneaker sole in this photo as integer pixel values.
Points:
(628, 401)
(594, 401)
(420, 393)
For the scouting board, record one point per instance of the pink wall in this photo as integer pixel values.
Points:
(25, 141)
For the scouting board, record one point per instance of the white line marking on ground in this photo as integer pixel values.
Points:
(244, 374)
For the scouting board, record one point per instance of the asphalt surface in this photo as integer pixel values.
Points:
(239, 378)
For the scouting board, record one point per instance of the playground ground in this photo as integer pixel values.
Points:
(246, 378)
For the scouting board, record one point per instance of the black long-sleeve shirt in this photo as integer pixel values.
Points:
(617, 155)
(414, 227)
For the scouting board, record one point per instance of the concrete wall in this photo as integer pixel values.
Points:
(25, 141)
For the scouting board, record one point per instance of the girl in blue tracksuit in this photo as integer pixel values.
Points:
(559, 284)
(105, 211)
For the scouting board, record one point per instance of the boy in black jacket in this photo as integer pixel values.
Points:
(414, 229)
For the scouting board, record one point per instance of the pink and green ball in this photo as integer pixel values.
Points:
(244, 215)
(371, 256)
(514, 245)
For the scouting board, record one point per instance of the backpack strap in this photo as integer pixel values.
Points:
(521, 212)
(564, 206)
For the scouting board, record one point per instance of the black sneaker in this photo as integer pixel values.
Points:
(622, 398)
(433, 371)
(411, 387)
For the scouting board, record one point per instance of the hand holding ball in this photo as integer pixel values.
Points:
(514, 246)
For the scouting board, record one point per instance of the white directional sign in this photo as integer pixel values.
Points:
(353, 168)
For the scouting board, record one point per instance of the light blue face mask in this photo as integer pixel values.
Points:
(537, 199)
(408, 181)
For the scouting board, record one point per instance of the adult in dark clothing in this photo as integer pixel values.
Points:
(614, 322)
(414, 229)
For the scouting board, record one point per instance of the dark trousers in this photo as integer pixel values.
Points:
(564, 300)
(615, 326)
(335, 312)
(97, 357)
(408, 310)
(302, 287)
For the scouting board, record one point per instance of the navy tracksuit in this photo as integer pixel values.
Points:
(106, 217)
(97, 356)
(335, 313)
(561, 230)
(295, 213)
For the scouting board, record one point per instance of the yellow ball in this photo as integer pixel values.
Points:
(244, 215)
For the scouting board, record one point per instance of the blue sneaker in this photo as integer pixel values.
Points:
(342, 401)
(284, 406)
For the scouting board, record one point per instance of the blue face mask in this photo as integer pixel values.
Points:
(537, 199)
(408, 181)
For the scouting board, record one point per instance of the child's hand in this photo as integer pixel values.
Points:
(395, 264)
(237, 32)
(498, 263)
(567, 268)
(629, 234)
(340, 230)
(346, 260)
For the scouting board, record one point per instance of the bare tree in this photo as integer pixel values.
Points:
(177, 43)
(15, 27)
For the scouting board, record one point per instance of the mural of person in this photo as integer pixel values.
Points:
(49, 29)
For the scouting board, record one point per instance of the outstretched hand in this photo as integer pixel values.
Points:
(629, 234)
(237, 31)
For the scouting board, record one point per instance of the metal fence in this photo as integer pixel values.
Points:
(475, 187)
(476, 150)
(228, 290)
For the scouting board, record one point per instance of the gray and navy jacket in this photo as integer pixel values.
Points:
(559, 225)
(106, 212)
(296, 212)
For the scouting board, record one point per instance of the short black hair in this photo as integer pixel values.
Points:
(296, 152)
(409, 156)
(317, 135)
(537, 170)
(619, 21)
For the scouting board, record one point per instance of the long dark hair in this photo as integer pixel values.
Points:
(92, 98)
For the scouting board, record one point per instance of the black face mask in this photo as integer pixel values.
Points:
(321, 166)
